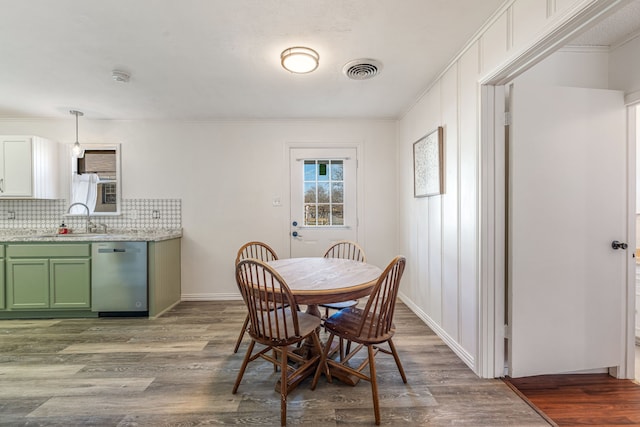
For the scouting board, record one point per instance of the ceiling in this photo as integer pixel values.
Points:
(617, 27)
(220, 59)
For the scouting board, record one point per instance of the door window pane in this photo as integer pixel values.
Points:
(337, 192)
(323, 215)
(337, 214)
(309, 214)
(323, 192)
(324, 195)
(337, 171)
(310, 192)
(309, 170)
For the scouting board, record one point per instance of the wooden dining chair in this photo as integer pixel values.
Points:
(276, 323)
(347, 250)
(255, 250)
(368, 327)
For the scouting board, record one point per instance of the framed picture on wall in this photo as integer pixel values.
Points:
(428, 164)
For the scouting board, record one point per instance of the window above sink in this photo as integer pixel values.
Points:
(96, 180)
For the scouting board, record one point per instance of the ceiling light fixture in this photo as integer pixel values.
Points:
(77, 150)
(299, 60)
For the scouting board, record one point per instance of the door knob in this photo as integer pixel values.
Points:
(295, 234)
(618, 245)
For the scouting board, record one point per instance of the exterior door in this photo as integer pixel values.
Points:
(567, 203)
(323, 199)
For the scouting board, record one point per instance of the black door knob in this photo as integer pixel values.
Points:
(618, 245)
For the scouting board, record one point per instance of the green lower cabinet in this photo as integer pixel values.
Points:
(48, 277)
(28, 283)
(2, 287)
(70, 283)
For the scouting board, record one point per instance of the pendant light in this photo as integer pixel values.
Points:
(77, 150)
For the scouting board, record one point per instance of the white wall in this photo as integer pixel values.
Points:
(227, 174)
(625, 68)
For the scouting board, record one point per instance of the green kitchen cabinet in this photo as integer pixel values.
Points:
(164, 276)
(70, 283)
(2, 287)
(48, 276)
(28, 283)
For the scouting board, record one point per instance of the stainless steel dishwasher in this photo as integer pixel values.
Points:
(119, 278)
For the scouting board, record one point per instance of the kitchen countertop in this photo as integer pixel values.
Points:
(12, 235)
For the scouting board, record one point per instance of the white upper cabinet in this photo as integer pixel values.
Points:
(28, 167)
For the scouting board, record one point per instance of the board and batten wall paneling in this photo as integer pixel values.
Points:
(433, 240)
(435, 258)
(450, 214)
(469, 236)
(562, 5)
(527, 17)
(494, 44)
(443, 286)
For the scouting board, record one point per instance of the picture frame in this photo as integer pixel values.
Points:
(428, 176)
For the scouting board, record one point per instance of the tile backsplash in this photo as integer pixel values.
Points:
(136, 214)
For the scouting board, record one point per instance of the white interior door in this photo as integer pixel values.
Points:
(567, 203)
(323, 198)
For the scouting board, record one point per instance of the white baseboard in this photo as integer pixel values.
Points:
(467, 358)
(211, 297)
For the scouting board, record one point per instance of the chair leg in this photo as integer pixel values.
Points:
(397, 359)
(325, 355)
(242, 331)
(245, 362)
(322, 363)
(284, 388)
(374, 383)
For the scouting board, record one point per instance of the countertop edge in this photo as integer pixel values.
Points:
(154, 236)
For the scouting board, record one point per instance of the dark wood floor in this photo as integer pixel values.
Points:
(179, 369)
(585, 399)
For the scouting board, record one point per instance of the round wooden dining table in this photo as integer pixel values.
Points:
(316, 281)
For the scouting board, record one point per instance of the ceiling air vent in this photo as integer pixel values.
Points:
(362, 69)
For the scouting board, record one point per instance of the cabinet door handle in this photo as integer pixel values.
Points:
(1, 185)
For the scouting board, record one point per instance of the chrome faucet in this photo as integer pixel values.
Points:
(88, 213)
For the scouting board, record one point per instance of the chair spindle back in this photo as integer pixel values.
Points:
(256, 250)
(346, 250)
(268, 299)
(377, 318)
